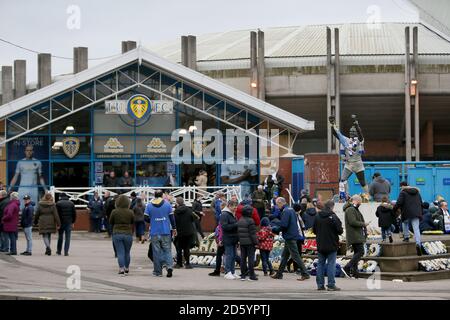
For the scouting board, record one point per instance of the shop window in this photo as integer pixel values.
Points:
(39, 114)
(127, 76)
(17, 124)
(106, 85)
(190, 172)
(187, 116)
(155, 174)
(70, 147)
(120, 169)
(80, 100)
(27, 177)
(3, 178)
(70, 174)
(79, 121)
(87, 90)
(149, 77)
(170, 86)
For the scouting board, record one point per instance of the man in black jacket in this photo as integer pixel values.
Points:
(410, 203)
(133, 198)
(248, 243)
(26, 222)
(4, 240)
(197, 207)
(327, 228)
(110, 205)
(67, 216)
(184, 220)
(110, 181)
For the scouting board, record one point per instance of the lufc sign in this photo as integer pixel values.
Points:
(71, 146)
(155, 106)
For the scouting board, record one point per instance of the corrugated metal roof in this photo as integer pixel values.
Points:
(306, 41)
(320, 61)
(435, 14)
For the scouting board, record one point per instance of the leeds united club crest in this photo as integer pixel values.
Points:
(71, 146)
(139, 106)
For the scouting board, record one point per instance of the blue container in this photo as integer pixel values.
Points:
(298, 171)
(423, 179)
(443, 183)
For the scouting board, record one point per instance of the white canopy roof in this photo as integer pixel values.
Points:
(250, 103)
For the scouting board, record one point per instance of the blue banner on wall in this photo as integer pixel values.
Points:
(38, 144)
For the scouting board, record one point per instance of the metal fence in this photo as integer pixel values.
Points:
(82, 195)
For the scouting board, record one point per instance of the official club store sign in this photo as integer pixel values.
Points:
(138, 106)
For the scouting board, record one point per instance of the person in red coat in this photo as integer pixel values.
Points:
(265, 245)
(10, 222)
(255, 215)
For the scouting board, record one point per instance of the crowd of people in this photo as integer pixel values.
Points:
(249, 226)
(48, 216)
(241, 227)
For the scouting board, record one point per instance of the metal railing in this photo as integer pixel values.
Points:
(188, 193)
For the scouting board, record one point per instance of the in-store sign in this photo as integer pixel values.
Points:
(420, 181)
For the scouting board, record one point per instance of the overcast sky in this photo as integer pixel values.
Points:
(55, 26)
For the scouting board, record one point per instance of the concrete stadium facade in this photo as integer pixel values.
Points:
(371, 77)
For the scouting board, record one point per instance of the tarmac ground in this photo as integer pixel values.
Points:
(91, 256)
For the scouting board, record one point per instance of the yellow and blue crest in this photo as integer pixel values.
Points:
(139, 107)
(71, 146)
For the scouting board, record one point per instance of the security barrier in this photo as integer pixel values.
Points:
(189, 193)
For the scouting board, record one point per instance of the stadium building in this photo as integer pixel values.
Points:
(120, 115)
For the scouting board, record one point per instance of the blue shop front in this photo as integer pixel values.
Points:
(120, 117)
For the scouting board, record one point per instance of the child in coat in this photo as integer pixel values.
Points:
(386, 218)
(265, 245)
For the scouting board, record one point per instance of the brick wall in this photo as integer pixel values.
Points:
(322, 174)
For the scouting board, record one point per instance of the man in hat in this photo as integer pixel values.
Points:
(259, 201)
(26, 222)
(133, 197)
